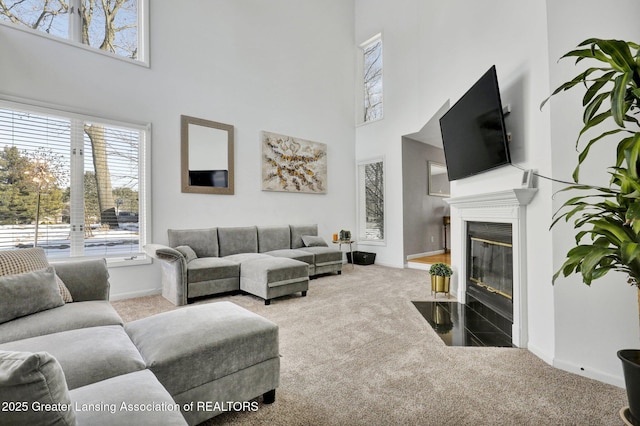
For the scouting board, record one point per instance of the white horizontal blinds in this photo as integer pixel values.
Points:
(69, 185)
(111, 190)
(34, 180)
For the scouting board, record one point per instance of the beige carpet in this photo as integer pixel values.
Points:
(356, 351)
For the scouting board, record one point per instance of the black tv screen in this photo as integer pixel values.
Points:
(473, 132)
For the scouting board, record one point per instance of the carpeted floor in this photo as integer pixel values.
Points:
(356, 351)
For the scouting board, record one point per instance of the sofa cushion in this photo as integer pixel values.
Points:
(272, 238)
(233, 339)
(28, 293)
(68, 317)
(146, 402)
(187, 252)
(211, 268)
(245, 257)
(301, 255)
(87, 355)
(35, 379)
(238, 240)
(297, 231)
(27, 260)
(324, 255)
(204, 242)
(313, 241)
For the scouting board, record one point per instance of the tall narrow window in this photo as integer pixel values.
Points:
(71, 185)
(371, 205)
(109, 25)
(372, 78)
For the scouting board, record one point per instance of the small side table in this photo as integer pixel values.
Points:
(350, 242)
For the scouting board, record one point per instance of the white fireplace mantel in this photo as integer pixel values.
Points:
(510, 197)
(507, 206)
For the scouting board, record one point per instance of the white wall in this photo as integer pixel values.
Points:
(592, 323)
(283, 66)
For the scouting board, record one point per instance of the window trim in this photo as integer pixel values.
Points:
(360, 121)
(144, 171)
(143, 38)
(361, 209)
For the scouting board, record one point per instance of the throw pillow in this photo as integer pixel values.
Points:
(27, 260)
(313, 241)
(187, 252)
(35, 390)
(28, 293)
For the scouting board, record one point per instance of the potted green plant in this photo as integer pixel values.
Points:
(440, 278)
(607, 219)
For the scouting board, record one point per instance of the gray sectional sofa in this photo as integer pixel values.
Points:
(78, 363)
(266, 261)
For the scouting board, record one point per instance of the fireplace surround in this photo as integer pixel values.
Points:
(507, 208)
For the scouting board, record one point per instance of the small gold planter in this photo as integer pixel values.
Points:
(440, 284)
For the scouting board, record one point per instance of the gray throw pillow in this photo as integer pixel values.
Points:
(28, 293)
(27, 260)
(313, 241)
(29, 381)
(187, 252)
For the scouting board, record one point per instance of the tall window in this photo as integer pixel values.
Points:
(372, 78)
(109, 25)
(371, 201)
(72, 185)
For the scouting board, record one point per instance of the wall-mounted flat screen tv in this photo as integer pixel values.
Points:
(473, 132)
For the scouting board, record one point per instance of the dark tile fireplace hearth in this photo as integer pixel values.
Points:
(462, 325)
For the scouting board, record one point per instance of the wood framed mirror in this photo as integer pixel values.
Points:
(438, 180)
(206, 153)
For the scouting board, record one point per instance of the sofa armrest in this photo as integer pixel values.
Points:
(86, 279)
(174, 272)
(162, 252)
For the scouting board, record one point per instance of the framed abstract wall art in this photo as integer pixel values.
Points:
(293, 165)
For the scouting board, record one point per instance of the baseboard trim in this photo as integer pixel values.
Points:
(417, 265)
(133, 294)
(428, 253)
(591, 374)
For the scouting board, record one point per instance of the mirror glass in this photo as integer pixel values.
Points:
(207, 156)
(438, 180)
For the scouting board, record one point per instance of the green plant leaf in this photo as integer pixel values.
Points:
(596, 86)
(592, 108)
(580, 78)
(619, 52)
(583, 154)
(629, 252)
(619, 105)
(633, 212)
(614, 231)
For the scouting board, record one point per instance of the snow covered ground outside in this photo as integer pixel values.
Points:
(55, 239)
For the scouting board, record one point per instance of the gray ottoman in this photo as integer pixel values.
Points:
(213, 353)
(271, 277)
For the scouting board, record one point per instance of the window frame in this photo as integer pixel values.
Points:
(144, 173)
(361, 200)
(360, 92)
(143, 37)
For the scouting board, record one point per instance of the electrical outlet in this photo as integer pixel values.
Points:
(432, 239)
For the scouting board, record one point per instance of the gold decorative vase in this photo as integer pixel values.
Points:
(440, 284)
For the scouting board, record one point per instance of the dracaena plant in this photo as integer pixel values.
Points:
(606, 219)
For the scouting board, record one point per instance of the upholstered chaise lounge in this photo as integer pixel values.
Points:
(266, 261)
